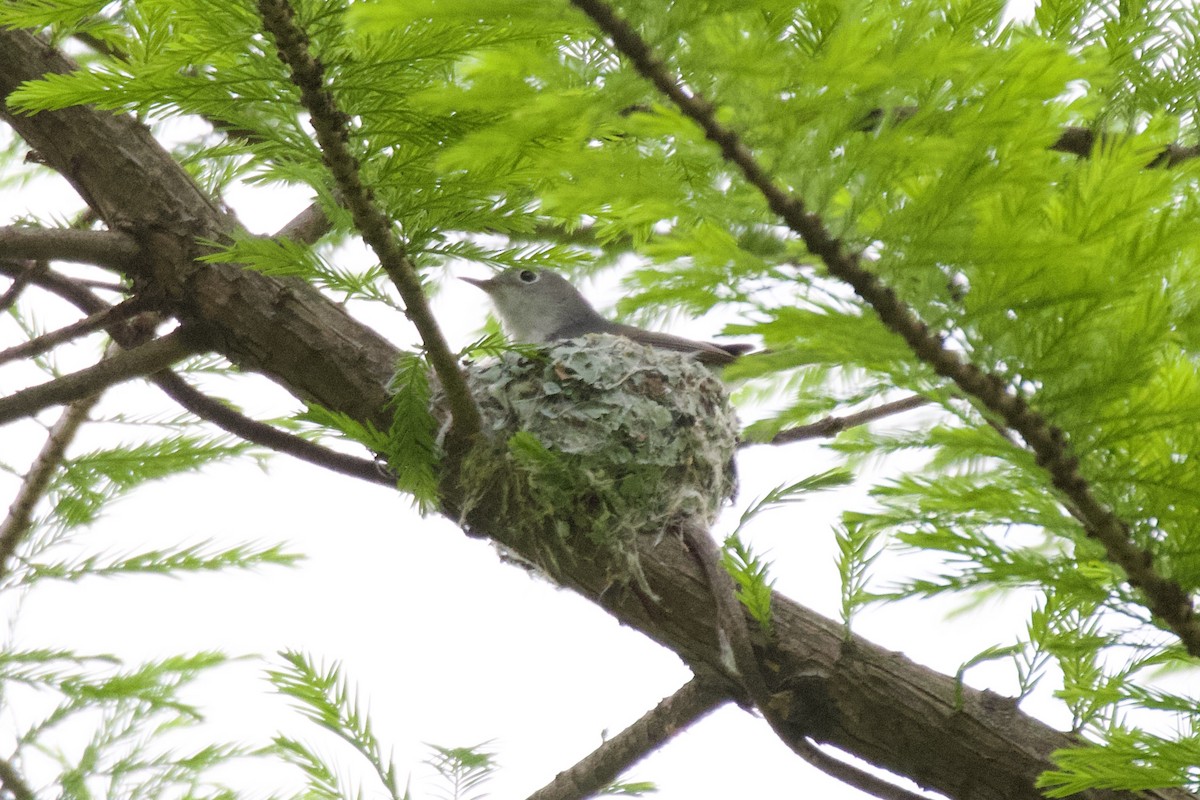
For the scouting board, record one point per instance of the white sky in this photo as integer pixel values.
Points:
(444, 643)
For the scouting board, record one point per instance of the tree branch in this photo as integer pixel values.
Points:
(103, 248)
(11, 780)
(833, 425)
(68, 289)
(13, 292)
(266, 435)
(139, 362)
(656, 727)
(94, 322)
(306, 227)
(200, 404)
(1073, 139)
(1082, 141)
(17, 523)
(331, 129)
(1166, 598)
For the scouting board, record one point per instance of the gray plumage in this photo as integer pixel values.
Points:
(541, 306)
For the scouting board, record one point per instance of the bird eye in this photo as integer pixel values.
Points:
(527, 276)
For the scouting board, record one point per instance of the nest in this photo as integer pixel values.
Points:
(596, 441)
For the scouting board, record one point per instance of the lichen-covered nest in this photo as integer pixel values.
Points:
(602, 438)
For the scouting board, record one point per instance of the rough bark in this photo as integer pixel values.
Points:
(283, 328)
(846, 691)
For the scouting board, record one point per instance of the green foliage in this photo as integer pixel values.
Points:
(1160, 762)
(750, 575)
(365, 434)
(324, 697)
(464, 769)
(285, 257)
(89, 481)
(412, 451)
(130, 721)
(629, 789)
(748, 570)
(508, 133)
(797, 492)
(200, 557)
(410, 445)
(858, 548)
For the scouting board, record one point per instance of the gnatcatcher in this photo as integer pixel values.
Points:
(537, 306)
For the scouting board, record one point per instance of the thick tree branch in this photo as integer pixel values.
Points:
(136, 187)
(656, 727)
(330, 125)
(1166, 598)
(102, 248)
(118, 368)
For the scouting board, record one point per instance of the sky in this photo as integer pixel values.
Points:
(443, 642)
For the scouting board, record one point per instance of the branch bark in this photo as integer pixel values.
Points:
(694, 700)
(102, 248)
(11, 780)
(115, 165)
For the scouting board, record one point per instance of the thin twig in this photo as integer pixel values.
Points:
(306, 227)
(13, 292)
(12, 781)
(1166, 598)
(19, 520)
(89, 324)
(603, 765)
(260, 433)
(331, 126)
(103, 248)
(209, 408)
(833, 425)
(101, 46)
(68, 289)
(122, 366)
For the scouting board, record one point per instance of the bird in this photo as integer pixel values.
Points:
(538, 306)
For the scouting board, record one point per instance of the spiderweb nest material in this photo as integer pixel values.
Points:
(593, 442)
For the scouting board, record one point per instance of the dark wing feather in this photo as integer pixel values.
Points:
(707, 352)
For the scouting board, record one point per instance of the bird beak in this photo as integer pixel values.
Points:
(482, 284)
